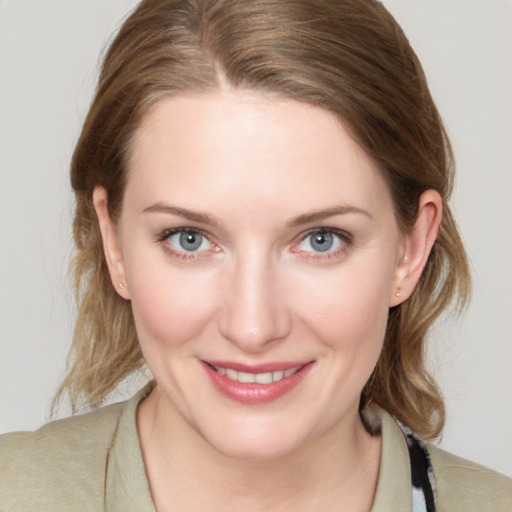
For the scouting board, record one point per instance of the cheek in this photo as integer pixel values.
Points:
(170, 306)
(348, 310)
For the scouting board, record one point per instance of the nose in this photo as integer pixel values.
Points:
(254, 313)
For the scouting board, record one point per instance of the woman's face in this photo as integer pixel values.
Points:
(257, 243)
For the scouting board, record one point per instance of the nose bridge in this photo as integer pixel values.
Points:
(254, 313)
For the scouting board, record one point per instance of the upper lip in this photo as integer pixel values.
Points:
(256, 368)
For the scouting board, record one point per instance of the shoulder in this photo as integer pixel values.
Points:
(61, 466)
(463, 485)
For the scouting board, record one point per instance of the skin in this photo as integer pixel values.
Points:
(258, 291)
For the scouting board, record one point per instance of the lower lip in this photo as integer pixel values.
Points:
(254, 393)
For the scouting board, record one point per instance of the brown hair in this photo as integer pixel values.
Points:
(349, 57)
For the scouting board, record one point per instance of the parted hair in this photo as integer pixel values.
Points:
(349, 57)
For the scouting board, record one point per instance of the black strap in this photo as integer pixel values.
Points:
(422, 471)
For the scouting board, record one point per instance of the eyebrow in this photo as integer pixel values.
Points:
(182, 212)
(204, 218)
(324, 214)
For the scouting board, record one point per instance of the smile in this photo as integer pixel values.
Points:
(254, 385)
(259, 378)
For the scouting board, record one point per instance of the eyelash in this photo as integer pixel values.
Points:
(344, 238)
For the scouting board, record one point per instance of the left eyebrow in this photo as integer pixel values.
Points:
(307, 218)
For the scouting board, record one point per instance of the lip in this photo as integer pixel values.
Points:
(257, 368)
(254, 393)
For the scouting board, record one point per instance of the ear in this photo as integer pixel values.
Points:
(416, 247)
(111, 246)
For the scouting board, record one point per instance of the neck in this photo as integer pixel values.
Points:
(335, 471)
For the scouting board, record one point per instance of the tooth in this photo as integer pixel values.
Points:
(278, 375)
(289, 372)
(263, 378)
(244, 377)
(260, 378)
(231, 374)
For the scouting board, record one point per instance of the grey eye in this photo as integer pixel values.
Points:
(321, 241)
(189, 241)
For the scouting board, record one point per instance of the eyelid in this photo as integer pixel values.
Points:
(341, 233)
(168, 232)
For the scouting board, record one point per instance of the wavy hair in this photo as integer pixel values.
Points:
(349, 57)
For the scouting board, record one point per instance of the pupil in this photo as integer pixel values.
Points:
(322, 242)
(191, 241)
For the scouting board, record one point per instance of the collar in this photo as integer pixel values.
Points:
(394, 488)
(127, 487)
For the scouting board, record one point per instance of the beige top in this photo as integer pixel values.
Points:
(93, 462)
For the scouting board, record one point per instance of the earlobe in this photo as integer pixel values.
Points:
(111, 246)
(416, 247)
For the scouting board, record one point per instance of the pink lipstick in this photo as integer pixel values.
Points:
(255, 384)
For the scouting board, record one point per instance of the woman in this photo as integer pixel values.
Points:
(262, 220)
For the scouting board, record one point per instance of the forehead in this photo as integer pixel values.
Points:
(241, 145)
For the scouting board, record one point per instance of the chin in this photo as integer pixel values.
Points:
(255, 450)
(257, 442)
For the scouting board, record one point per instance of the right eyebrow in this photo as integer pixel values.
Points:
(182, 212)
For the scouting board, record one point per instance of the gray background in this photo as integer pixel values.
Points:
(48, 61)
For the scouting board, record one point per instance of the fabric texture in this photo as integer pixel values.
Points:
(93, 462)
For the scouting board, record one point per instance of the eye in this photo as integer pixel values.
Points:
(323, 241)
(188, 240)
(320, 241)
